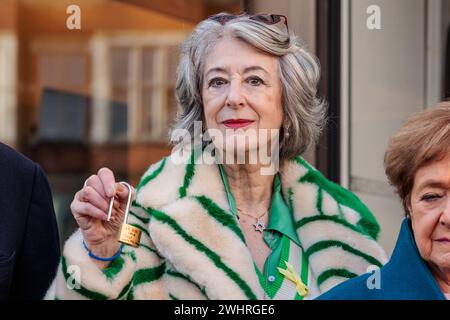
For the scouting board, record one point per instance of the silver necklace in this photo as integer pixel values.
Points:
(259, 225)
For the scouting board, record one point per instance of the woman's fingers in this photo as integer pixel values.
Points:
(87, 209)
(108, 181)
(123, 191)
(95, 197)
(95, 182)
(91, 195)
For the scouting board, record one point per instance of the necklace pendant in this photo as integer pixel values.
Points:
(259, 225)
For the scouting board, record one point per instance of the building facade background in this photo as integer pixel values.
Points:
(77, 100)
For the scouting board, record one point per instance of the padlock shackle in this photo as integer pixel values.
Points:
(130, 191)
(127, 208)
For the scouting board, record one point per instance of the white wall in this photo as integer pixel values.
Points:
(387, 84)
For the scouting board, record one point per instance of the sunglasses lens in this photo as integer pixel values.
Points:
(262, 18)
(268, 19)
(222, 18)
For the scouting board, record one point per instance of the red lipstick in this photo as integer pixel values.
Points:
(237, 123)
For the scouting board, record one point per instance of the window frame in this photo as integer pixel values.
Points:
(137, 42)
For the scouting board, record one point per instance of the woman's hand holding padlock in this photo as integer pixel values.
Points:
(90, 209)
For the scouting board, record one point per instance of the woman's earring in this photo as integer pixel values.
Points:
(286, 133)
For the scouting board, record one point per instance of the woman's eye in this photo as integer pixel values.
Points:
(430, 197)
(217, 82)
(255, 81)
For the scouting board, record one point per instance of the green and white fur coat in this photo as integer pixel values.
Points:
(192, 246)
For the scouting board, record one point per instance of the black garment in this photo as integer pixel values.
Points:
(29, 241)
(447, 68)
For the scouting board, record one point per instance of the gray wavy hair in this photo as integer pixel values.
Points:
(299, 72)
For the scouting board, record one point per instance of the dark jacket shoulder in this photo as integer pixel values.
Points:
(354, 289)
(29, 246)
(15, 164)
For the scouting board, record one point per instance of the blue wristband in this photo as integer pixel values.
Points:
(93, 256)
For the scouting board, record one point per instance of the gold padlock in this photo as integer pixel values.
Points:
(129, 235)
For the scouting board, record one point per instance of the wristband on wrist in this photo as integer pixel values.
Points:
(93, 256)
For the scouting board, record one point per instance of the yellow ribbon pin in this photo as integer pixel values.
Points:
(290, 274)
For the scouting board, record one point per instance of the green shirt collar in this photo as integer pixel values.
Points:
(280, 218)
(280, 214)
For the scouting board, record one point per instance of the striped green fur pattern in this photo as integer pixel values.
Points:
(193, 248)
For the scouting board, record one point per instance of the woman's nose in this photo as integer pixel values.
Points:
(445, 217)
(235, 97)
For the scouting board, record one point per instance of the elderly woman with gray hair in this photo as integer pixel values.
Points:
(218, 222)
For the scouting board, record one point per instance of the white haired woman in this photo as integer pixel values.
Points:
(215, 229)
